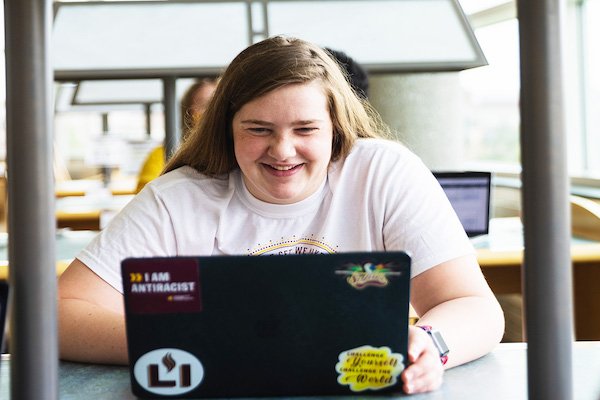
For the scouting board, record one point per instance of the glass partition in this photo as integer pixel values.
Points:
(142, 91)
(148, 35)
(172, 36)
(385, 34)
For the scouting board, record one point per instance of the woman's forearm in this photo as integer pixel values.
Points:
(90, 333)
(471, 326)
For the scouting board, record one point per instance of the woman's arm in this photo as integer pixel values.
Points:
(455, 299)
(91, 318)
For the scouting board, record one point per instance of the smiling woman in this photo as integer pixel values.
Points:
(288, 160)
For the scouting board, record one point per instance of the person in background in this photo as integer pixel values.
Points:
(286, 149)
(357, 74)
(193, 104)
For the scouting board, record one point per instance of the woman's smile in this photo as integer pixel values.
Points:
(283, 170)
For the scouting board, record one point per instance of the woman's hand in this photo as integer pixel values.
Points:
(425, 371)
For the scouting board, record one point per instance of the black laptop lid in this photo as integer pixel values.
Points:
(267, 326)
(469, 194)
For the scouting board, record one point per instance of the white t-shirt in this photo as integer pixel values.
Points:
(381, 197)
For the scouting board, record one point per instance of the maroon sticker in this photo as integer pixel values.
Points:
(155, 286)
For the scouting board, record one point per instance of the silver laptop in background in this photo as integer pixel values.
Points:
(469, 193)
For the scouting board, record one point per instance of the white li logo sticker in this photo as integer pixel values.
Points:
(168, 371)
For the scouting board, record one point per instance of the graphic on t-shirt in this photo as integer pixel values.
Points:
(293, 245)
(369, 367)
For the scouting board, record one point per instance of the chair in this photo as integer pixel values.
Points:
(585, 215)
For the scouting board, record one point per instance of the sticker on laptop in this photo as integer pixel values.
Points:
(158, 286)
(369, 368)
(168, 371)
(362, 275)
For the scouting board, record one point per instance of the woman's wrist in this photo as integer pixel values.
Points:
(438, 342)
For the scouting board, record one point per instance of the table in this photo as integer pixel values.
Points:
(501, 257)
(68, 244)
(81, 187)
(500, 375)
(90, 212)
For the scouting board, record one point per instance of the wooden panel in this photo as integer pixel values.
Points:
(503, 280)
(586, 295)
(86, 221)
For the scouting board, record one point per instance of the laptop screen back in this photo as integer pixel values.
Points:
(469, 194)
(245, 326)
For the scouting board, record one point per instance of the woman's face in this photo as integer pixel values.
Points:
(282, 142)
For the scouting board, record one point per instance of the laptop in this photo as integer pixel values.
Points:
(469, 194)
(256, 326)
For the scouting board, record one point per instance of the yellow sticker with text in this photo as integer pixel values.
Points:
(369, 367)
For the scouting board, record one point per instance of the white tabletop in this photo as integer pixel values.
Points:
(500, 375)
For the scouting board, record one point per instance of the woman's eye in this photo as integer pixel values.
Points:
(306, 130)
(259, 131)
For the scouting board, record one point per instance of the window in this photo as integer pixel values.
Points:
(591, 50)
(491, 93)
(491, 96)
(2, 90)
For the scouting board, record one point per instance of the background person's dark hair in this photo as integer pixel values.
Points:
(359, 79)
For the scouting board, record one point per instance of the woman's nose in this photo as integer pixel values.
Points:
(282, 147)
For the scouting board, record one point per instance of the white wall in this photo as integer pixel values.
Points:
(424, 110)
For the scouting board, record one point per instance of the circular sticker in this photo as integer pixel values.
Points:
(168, 371)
